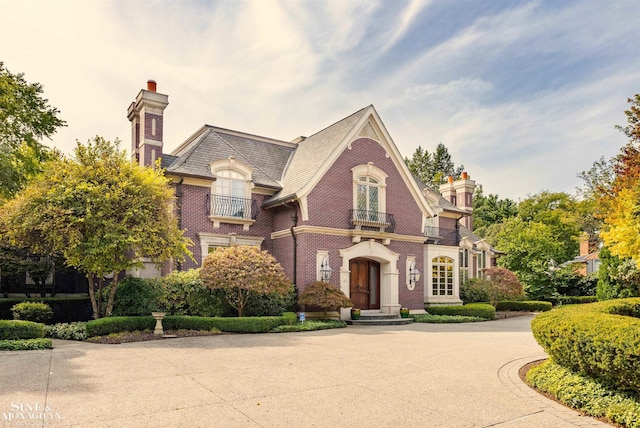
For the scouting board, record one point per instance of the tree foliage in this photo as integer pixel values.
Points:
(101, 213)
(25, 119)
(617, 277)
(240, 271)
(489, 210)
(324, 296)
(433, 168)
(619, 202)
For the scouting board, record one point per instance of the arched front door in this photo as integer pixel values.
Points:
(364, 284)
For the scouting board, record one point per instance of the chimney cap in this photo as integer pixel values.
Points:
(151, 85)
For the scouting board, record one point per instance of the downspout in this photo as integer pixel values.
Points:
(294, 218)
(179, 211)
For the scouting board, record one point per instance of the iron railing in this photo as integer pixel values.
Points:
(231, 206)
(442, 236)
(371, 220)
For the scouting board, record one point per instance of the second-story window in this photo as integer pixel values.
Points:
(369, 196)
(230, 194)
(368, 190)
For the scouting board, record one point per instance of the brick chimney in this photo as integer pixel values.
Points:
(146, 117)
(460, 193)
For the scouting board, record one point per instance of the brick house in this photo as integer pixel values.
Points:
(340, 203)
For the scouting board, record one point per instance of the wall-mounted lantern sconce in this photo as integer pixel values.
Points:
(414, 274)
(325, 269)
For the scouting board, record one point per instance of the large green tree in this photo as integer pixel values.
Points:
(433, 168)
(101, 213)
(489, 210)
(25, 119)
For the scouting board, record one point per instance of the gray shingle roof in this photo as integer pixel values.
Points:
(312, 153)
(267, 159)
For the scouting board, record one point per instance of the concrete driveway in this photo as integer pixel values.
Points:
(420, 375)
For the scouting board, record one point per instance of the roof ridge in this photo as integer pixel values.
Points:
(189, 149)
(337, 122)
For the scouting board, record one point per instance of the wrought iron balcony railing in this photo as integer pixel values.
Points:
(232, 207)
(442, 236)
(372, 220)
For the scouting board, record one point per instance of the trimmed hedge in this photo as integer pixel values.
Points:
(575, 300)
(105, 326)
(11, 330)
(309, 326)
(585, 394)
(481, 310)
(595, 340)
(66, 331)
(65, 309)
(25, 344)
(525, 306)
(444, 319)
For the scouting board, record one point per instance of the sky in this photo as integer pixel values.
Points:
(524, 94)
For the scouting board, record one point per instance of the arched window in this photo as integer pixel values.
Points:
(230, 199)
(442, 276)
(369, 196)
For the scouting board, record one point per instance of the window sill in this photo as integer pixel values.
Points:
(245, 222)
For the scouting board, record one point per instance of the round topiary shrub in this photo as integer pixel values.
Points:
(32, 311)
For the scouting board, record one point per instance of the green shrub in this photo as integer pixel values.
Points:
(271, 304)
(444, 319)
(310, 325)
(524, 305)
(230, 324)
(105, 326)
(475, 290)
(480, 310)
(25, 344)
(575, 300)
(585, 394)
(32, 311)
(66, 331)
(136, 296)
(595, 340)
(20, 330)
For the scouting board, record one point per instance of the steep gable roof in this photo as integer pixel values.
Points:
(316, 154)
(267, 157)
(312, 153)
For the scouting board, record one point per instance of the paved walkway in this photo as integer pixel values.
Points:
(419, 375)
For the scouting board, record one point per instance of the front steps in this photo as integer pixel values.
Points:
(378, 318)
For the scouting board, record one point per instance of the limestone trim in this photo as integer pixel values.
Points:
(225, 240)
(389, 292)
(365, 234)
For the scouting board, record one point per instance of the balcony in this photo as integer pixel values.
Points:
(230, 209)
(371, 220)
(442, 236)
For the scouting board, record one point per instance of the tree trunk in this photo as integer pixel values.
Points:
(112, 294)
(92, 296)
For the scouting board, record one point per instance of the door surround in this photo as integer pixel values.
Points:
(389, 292)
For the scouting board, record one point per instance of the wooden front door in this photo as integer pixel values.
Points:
(364, 286)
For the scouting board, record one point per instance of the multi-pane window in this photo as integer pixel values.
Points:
(442, 276)
(464, 265)
(229, 197)
(482, 263)
(368, 190)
